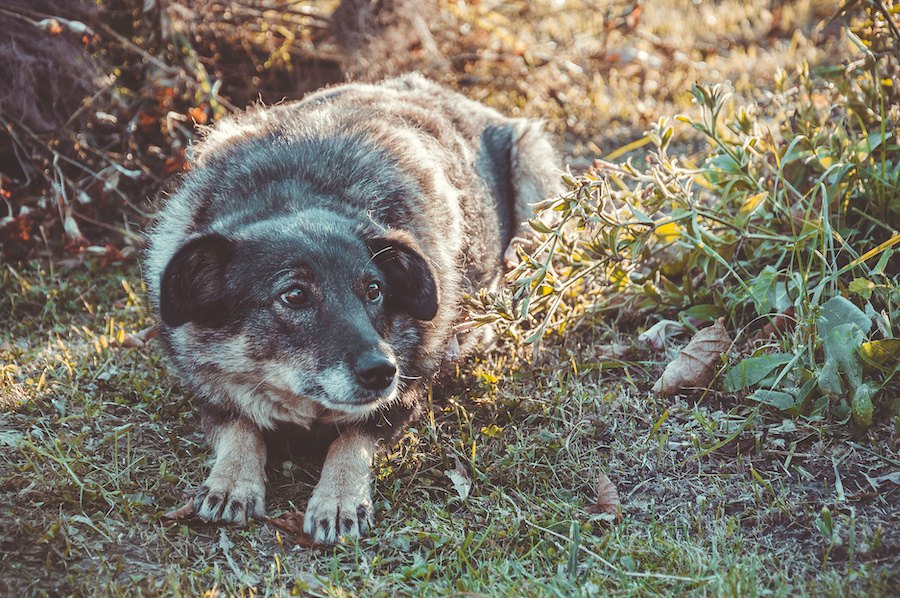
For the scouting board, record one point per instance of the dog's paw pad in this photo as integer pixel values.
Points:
(329, 516)
(230, 503)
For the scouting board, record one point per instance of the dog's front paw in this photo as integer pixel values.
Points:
(230, 501)
(338, 510)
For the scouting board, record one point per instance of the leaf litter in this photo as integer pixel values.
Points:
(608, 502)
(697, 363)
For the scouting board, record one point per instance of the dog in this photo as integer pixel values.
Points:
(308, 272)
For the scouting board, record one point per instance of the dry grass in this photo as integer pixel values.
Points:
(600, 73)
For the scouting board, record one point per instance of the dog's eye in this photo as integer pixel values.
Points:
(373, 291)
(294, 297)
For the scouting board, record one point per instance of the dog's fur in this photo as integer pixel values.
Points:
(383, 204)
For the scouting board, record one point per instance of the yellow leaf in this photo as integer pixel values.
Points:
(861, 286)
(881, 353)
(668, 232)
(492, 431)
(753, 202)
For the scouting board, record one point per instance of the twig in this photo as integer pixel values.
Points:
(134, 238)
(58, 156)
(127, 43)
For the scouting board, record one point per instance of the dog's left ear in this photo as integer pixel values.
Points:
(411, 282)
(193, 288)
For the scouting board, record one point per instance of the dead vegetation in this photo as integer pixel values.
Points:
(87, 149)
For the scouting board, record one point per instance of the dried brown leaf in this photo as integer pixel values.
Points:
(658, 335)
(608, 502)
(777, 325)
(611, 351)
(184, 513)
(137, 340)
(292, 523)
(697, 363)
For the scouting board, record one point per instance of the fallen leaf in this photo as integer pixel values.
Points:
(697, 363)
(611, 351)
(608, 502)
(292, 523)
(461, 482)
(659, 334)
(184, 513)
(139, 339)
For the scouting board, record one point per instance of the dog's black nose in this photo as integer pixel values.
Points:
(375, 371)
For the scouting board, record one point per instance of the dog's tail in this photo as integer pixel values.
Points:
(535, 170)
(535, 175)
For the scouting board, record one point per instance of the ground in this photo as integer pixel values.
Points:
(495, 490)
(489, 493)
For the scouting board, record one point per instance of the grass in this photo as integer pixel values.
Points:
(490, 492)
(101, 443)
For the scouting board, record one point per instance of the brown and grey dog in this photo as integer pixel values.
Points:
(309, 271)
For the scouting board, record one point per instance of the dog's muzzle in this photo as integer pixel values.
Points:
(375, 371)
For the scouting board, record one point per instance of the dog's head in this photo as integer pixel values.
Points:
(317, 303)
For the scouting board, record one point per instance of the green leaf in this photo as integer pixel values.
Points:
(862, 287)
(829, 379)
(841, 345)
(538, 225)
(641, 217)
(820, 408)
(838, 311)
(825, 524)
(805, 392)
(706, 312)
(870, 143)
(883, 261)
(775, 398)
(861, 405)
(724, 164)
(759, 289)
(700, 94)
(752, 370)
(11, 438)
(779, 296)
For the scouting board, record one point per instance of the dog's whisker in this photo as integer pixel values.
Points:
(379, 252)
(263, 381)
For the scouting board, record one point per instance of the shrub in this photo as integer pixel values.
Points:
(786, 229)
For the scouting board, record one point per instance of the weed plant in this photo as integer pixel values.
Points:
(786, 230)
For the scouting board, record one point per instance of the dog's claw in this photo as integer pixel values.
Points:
(331, 515)
(229, 503)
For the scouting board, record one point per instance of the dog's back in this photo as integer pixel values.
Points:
(406, 154)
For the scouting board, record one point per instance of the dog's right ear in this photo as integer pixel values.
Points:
(192, 288)
(412, 285)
